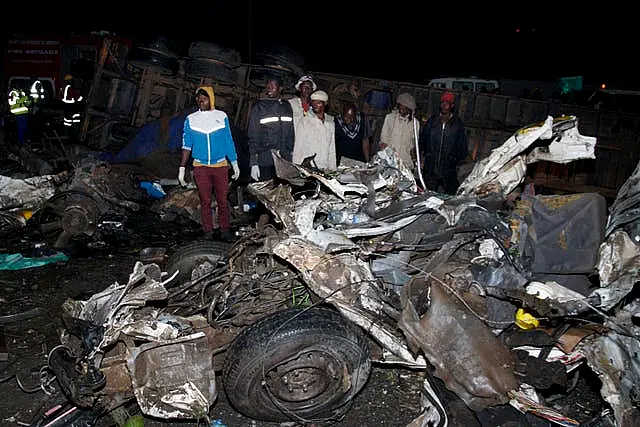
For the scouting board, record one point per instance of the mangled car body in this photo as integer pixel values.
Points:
(458, 286)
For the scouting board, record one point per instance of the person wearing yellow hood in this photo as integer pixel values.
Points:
(207, 138)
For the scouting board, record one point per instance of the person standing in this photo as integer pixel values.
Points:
(207, 138)
(444, 146)
(315, 134)
(19, 103)
(301, 103)
(72, 107)
(36, 114)
(400, 130)
(352, 134)
(36, 91)
(270, 128)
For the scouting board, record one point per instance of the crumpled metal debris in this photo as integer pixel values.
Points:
(171, 372)
(504, 169)
(438, 281)
(28, 193)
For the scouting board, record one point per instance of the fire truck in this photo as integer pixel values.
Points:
(49, 57)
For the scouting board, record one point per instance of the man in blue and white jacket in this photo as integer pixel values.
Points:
(207, 138)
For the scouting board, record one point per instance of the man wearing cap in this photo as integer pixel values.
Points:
(270, 128)
(443, 144)
(301, 104)
(400, 129)
(316, 134)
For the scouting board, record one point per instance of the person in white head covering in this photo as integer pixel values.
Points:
(301, 104)
(398, 130)
(315, 134)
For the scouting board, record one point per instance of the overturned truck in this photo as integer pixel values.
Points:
(495, 292)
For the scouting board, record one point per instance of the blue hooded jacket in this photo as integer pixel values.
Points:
(207, 135)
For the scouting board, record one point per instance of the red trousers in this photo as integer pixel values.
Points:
(216, 179)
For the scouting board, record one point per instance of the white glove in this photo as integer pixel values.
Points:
(236, 170)
(255, 172)
(181, 180)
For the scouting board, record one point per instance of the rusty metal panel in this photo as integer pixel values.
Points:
(513, 117)
(587, 120)
(498, 109)
(607, 124)
(465, 106)
(482, 107)
(533, 111)
(556, 108)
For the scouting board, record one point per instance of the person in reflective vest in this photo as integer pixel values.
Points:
(270, 128)
(71, 99)
(37, 91)
(19, 106)
(36, 115)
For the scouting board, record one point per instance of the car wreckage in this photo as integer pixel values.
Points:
(495, 291)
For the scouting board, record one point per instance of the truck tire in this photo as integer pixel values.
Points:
(195, 259)
(157, 61)
(282, 57)
(297, 364)
(210, 68)
(206, 50)
(259, 76)
(164, 46)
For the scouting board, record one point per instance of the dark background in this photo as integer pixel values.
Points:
(402, 40)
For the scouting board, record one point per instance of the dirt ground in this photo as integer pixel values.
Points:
(391, 397)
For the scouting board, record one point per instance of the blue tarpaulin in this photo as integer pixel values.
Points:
(164, 133)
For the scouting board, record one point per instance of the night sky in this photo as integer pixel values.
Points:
(393, 40)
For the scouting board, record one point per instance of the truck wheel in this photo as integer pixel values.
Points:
(196, 259)
(297, 364)
(68, 219)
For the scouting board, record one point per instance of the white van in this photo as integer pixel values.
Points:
(466, 83)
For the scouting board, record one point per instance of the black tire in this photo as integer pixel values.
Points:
(282, 57)
(144, 58)
(201, 256)
(206, 50)
(165, 46)
(259, 76)
(210, 68)
(298, 364)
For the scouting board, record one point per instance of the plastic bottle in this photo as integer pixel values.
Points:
(249, 206)
(359, 217)
(344, 216)
(338, 216)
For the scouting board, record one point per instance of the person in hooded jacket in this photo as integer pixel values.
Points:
(207, 138)
(270, 128)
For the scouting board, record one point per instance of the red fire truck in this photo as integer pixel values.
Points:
(48, 57)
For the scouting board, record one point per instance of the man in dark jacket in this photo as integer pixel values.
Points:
(270, 127)
(443, 146)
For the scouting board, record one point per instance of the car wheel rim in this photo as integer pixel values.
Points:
(309, 375)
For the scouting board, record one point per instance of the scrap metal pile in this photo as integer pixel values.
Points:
(498, 292)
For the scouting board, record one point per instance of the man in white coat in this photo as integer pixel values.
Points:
(400, 130)
(315, 134)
